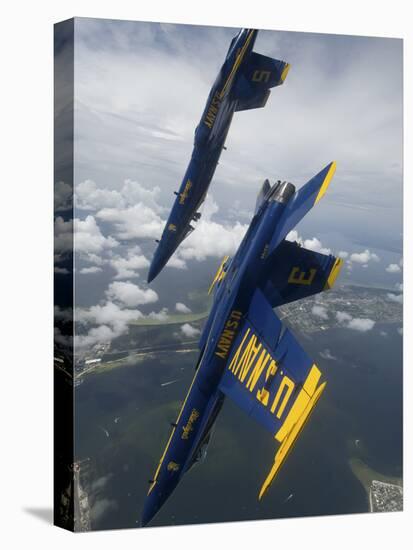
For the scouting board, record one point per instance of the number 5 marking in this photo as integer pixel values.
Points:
(261, 76)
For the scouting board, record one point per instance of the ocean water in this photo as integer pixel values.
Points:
(122, 421)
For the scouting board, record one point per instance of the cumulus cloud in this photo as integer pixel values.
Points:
(363, 325)
(343, 254)
(364, 257)
(342, 316)
(393, 268)
(138, 221)
(84, 235)
(106, 321)
(354, 323)
(126, 268)
(177, 262)
(88, 196)
(212, 240)
(90, 270)
(160, 315)
(130, 294)
(320, 311)
(182, 308)
(88, 237)
(189, 331)
(398, 298)
(313, 244)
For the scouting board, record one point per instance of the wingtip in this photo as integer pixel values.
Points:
(331, 168)
(334, 273)
(285, 72)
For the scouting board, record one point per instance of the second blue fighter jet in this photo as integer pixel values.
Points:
(243, 83)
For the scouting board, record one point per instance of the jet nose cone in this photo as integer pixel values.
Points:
(154, 269)
(160, 259)
(151, 507)
(156, 265)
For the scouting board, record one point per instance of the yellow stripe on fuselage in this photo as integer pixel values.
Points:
(236, 64)
(173, 431)
(326, 182)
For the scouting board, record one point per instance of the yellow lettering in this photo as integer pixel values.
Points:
(257, 370)
(244, 357)
(237, 353)
(245, 368)
(288, 384)
(261, 76)
(301, 277)
(263, 395)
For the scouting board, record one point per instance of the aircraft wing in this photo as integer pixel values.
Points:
(271, 378)
(296, 273)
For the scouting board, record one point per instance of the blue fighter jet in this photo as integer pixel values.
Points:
(246, 353)
(243, 82)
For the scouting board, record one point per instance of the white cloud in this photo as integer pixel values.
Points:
(190, 331)
(399, 287)
(111, 320)
(89, 270)
(398, 298)
(182, 308)
(363, 325)
(88, 196)
(393, 268)
(354, 323)
(160, 315)
(315, 245)
(138, 221)
(126, 268)
(84, 235)
(177, 262)
(342, 316)
(130, 294)
(108, 313)
(364, 257)
(320, 311)
(311, 244)
(326, 354)
(343, 254)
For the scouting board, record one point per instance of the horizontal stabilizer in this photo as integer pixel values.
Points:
(271, 378)
(295, 273)
(259, 74)
(262, 71)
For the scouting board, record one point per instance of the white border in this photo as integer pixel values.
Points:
(26, 272)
